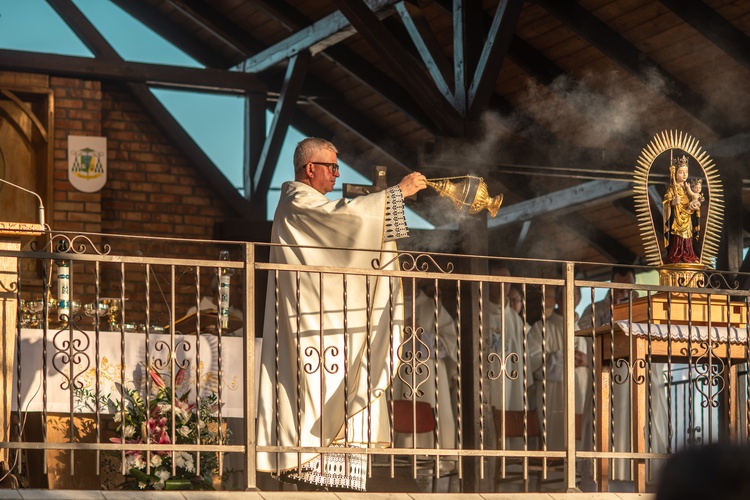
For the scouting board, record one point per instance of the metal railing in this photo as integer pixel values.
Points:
(150, 368)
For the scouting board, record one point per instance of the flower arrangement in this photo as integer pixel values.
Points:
(141, 421)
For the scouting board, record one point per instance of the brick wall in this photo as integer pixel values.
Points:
(78, 111)
(151, 190)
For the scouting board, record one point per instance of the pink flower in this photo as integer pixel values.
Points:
(180, 376)
(127, 441)
(158, 381)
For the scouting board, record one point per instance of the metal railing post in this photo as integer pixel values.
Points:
(249, 368)
(569, 382)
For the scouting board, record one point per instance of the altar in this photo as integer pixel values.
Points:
(59, 372)
(72, 364)
(675, 328)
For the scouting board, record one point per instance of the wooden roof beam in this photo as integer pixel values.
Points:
(295, 76)
(83, 29)
(493, 53)
(213, 21)
(353, 64)
(428, 48)
(500, 104)
(316, 37)
(343, 112)
(713, 26)
(407, 69)
(160, 75)
(467, 48)
(562, 201)
(606, 245)
(639, 64)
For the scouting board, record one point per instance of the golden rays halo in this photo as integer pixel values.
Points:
(709, 240)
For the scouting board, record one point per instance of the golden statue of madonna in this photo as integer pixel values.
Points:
(682, 213)
(468, 193)
(692, 221)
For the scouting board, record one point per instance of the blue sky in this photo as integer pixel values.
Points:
(215, 122)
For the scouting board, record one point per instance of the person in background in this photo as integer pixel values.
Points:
(601, 314)
(501, 312)
(435, 340)
(310, 394)
(515, 299)
(548, 336)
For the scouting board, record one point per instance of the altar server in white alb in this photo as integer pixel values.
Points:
(322, 383)
(507, 350)
(547, 347)
(429, 366)
(622, 384)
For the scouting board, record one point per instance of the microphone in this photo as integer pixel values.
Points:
(41, 205)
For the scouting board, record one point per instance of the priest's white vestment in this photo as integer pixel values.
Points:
(309, 395)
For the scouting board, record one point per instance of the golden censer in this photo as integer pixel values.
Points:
(468, 191)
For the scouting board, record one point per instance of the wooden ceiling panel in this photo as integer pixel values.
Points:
(535, 22)
(512, 78)
(618, 14)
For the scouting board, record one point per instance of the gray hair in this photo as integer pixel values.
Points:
(307, 148)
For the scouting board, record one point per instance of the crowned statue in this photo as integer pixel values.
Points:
(685, 243)
(682, 204)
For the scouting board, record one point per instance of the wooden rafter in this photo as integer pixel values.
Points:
(345, 114)
(208, 18)
(318, 36)
(408, 70)
(353, 64)
(493, 52)
(428, 48)
(714, 27)
(295, 76)
(159, 75)
(174, 33)
(467, 47)
(560, 202)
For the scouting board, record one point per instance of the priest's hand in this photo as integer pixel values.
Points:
(580, 359)
(412, 183)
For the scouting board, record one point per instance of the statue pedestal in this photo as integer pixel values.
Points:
(687, 275)
(699, 309)
(11, 234)
(678, 327)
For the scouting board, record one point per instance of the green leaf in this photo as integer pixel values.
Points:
(177, 484)
(141, 476)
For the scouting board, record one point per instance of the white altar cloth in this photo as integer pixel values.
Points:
(82, 351)
(719, 333)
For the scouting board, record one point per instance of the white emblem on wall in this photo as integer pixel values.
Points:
(87, 162)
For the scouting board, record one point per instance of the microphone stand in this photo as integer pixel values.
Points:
(41, 204)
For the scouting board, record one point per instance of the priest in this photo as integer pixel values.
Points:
(330, 339)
